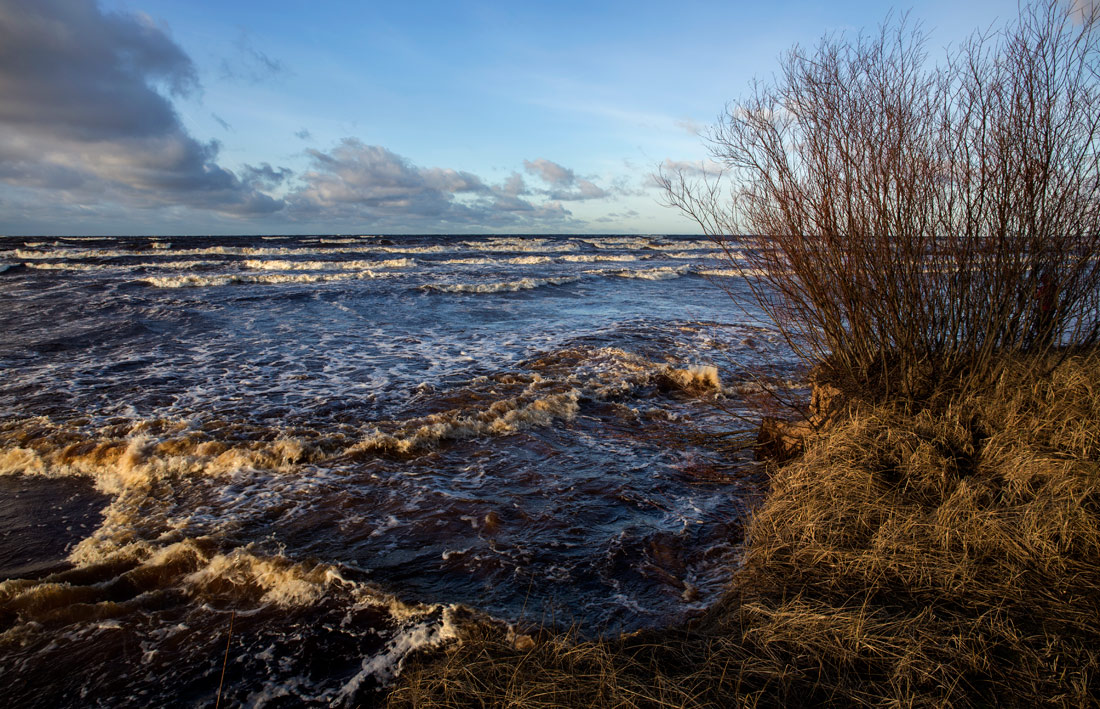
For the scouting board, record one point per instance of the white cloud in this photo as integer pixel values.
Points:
(370, 183)
(83, 118)
(550, 171)
(89, 134)
(693, 168)
(1082, 10)
(565, 185)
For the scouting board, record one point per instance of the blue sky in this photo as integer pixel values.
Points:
(197, 117)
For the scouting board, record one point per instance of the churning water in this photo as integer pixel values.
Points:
(342, 445)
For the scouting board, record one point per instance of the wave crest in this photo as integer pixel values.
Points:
(499, 287)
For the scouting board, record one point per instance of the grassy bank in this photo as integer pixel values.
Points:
(947, 557)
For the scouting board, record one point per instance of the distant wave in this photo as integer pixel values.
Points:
(683, 246)
(499, 287)
(131, 454)
(437, 249)
(623, 243)
(521, 245)
(70, 252)
(590, 258)
(79, 266)
(693, 255)
(468, 261)
(200, 281)
(283, 265)
(662, 273)
(732, 272)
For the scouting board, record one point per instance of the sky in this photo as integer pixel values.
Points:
(168, 117)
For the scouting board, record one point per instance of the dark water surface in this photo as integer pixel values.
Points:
(341, 444)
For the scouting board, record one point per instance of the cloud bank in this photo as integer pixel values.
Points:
(565, 185)
(89, 131)
(83, 115)
(375, 185)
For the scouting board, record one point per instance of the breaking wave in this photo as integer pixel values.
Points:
(131, 455)
(80, 266)
(693, 255)
(283, 265)
(520, 245)
(481, 261)
(499, 287)
(683, 246)
(92, 605)
(662, 273)
(623, 243)
(590, 258)
(297, 463)
(201, 281)
(731, 272)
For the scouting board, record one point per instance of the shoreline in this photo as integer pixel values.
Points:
(944, 557)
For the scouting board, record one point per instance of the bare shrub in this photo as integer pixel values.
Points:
(910, 225)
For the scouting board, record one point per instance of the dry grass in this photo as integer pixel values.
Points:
(948, 558)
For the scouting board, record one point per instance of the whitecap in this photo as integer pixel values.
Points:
(499, 287)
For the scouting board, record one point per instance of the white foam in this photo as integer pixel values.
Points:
(272, 251)
(625, 242)
(23, 461)
(499, 287)
(437, 249)
(696, 376)
(72, 253)
(662, 273)
(79, 266)
(387, 665)
(501, 418)
(117, 465)
(200, 281)
(280, 581)
(284, 265)
(481, 261)
(591, 258)
(693, 255)
(469, 261)
(521, 245)
(684, 246)
(732, 272)
(73, 266)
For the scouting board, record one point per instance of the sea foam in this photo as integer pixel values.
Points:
(499, 287)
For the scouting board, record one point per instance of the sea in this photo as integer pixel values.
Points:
(265, 470)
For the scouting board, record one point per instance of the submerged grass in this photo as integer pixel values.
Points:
(947, 557)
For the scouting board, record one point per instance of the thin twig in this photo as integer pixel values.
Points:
(225, 660)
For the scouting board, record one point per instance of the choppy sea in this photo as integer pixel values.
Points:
(325, 452)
